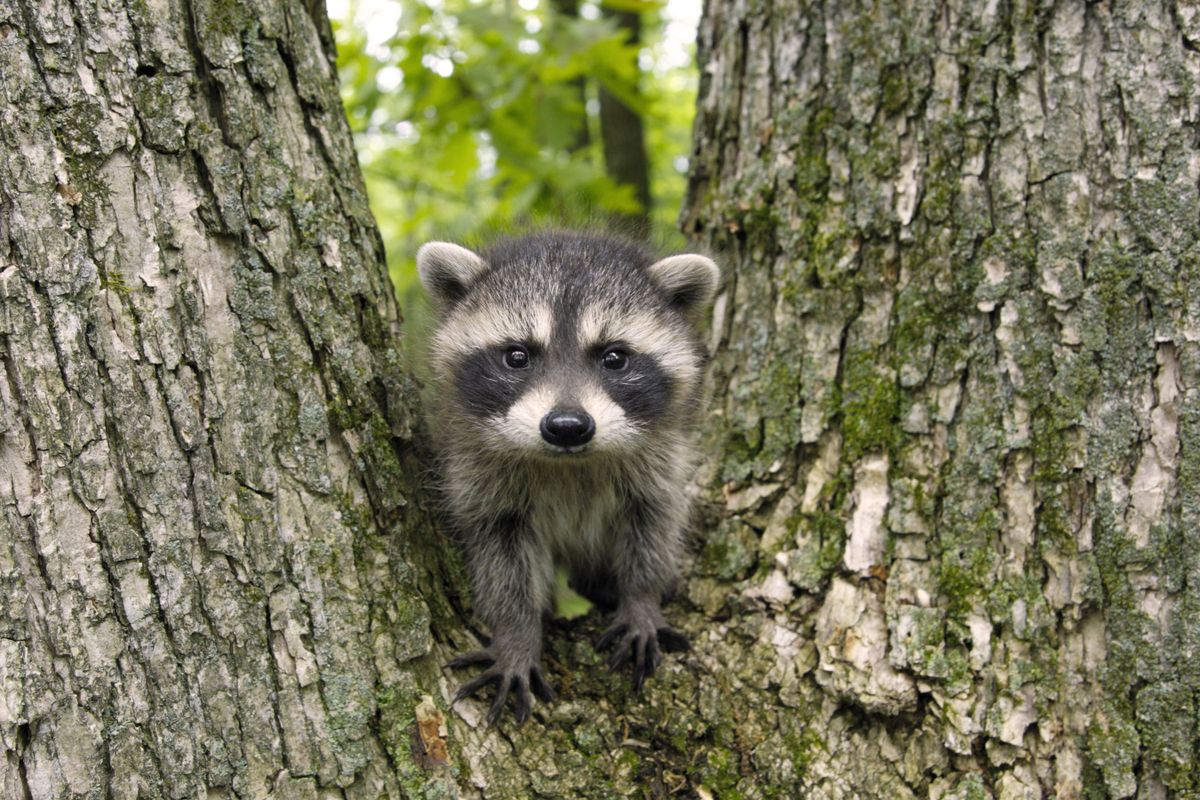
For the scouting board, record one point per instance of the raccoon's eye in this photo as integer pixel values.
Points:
(614, 359)
(516, 357)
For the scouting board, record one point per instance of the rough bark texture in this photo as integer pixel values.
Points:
(958, 391)
(206, 588)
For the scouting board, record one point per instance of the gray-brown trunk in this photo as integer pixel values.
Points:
(957, 389)
(206, 583)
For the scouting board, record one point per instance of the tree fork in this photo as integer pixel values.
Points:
(952, 544)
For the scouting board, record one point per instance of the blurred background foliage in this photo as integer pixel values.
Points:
(474, 117)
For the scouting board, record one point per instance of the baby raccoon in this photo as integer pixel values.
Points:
(566, 381)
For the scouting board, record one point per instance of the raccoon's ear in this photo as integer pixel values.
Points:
(447, 270)
(689, 280)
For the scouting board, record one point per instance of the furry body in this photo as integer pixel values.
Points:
(567, 374)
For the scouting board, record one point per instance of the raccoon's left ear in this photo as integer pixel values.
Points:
(447, 270)
(689, 280)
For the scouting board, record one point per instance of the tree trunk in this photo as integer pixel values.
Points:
(210, 549)
(566, 12)
(958, 391)
(624, 137)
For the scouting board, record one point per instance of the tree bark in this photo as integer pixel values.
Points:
(956, 396)
(211, 546)
(219, 574)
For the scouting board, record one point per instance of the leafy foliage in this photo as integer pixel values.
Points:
(474, 117)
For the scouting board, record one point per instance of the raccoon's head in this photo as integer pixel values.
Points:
(564, 344)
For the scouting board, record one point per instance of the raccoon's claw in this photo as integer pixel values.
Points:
(644, 650)
(541, 689)
(644, 647)
(672, 641)
(610, 635)
(518, 683)
(474, 657)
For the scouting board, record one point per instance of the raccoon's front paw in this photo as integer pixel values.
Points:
(511, 676)
(643, 635)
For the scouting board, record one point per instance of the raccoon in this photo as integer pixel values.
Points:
(566, 378)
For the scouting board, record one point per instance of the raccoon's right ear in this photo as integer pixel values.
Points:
(447, 270)
(689, 280)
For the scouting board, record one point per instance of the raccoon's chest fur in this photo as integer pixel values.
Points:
(576, 517)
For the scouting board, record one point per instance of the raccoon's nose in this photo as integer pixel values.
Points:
(567, 428)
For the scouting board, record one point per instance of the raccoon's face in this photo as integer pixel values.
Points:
(564, 345)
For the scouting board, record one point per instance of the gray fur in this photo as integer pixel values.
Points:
(612, 514)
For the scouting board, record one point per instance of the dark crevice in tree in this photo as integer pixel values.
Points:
(22, 744)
